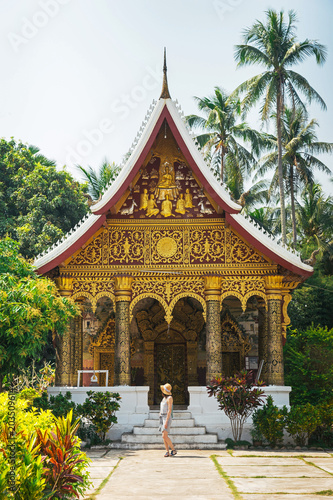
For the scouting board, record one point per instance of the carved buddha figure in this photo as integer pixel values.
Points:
(188, 199)
(144, 200)
(166, 184)
(167, 207)
(151, 206)
(180, 207)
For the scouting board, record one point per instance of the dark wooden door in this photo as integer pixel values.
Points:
(170, 367)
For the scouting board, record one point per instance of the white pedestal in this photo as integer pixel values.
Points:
(133, 410)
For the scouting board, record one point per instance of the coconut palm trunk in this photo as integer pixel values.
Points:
(279, 111)
(293, 209)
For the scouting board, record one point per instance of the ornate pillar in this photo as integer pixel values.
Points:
(77, 350)
(63, 342)
(213, 327)
(122, 354)
(149, 369)
(263, 340)
(275, 367)
(192, 362)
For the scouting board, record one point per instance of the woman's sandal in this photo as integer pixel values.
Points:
(173, 452)
(167, 454)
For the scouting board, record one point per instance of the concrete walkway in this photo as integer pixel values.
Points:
(210, 475)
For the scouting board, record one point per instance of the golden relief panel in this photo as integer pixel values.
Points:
(237, 251)
(167, 246)
(166, 187)
(92, 253)
(167, 287)
(207, 245)
(185, 245)
(126, 246)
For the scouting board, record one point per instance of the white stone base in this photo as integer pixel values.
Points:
(133, 410)
(205, 410)
(134, 407)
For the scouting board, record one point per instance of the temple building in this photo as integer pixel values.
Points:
(174, 283)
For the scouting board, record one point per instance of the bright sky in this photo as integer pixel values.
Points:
(79, 75)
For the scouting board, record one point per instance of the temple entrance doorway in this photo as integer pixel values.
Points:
(171, 367)
(169, 351)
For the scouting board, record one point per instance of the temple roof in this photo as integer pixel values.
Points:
(169, 110)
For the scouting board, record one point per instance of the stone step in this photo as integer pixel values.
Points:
(181, 422)
(174, 430)
(199, 439)
(120, 445)
(154, 414)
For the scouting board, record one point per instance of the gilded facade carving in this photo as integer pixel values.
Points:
(237, 251)
(243, 288)
(196, 245)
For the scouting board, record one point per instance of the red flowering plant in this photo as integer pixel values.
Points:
(238, 397)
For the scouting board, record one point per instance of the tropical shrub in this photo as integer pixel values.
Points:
(100, 408)
(60, 405)
(269, 421)
(308, 358)
(301, 421)
(65, 472)
(237, 397)
(48, 459)
(323, 435)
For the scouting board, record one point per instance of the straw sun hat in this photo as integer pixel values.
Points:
(166, 389)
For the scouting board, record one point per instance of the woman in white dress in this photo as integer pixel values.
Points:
(166, 418)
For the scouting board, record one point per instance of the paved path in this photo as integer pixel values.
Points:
(193, 474)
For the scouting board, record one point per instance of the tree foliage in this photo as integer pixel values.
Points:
(99, 180)
(237, 397)
(309, 365)
(38, 203)
(30, 307)
(273, 45)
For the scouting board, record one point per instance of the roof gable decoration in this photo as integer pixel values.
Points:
(159, 110)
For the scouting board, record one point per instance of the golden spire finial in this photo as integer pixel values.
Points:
(165, 90)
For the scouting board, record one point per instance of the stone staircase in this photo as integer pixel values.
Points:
(184, 434)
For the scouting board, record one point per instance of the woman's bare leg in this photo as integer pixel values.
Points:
(167, 441)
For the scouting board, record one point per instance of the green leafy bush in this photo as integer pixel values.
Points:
(308, 358)
(49, 462)
(60, 405)
(100, 409)
(237, 397)
(301, 421)
(323, 435)
(269, 421)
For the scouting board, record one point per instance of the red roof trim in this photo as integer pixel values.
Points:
(264, 250)
(72, 249)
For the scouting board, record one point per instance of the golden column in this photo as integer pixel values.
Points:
(63, 342)
(275, 367)
(213, 327)
(122, 353)
(77, 342)
(263, 339)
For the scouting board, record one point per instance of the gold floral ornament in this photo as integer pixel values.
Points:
(166, 247)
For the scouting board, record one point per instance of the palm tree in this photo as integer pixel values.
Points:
(274, 46)
(98, 181)
(219, 140)
(299, 141)
(315, 217)
(34, 150)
